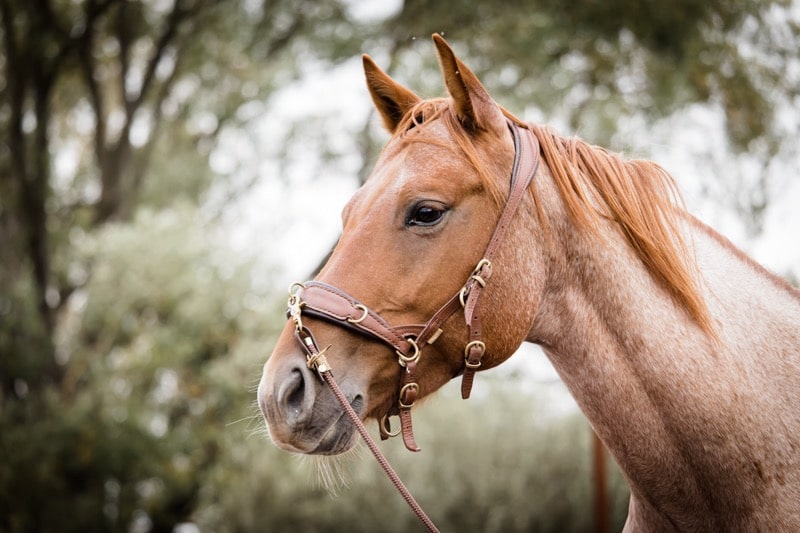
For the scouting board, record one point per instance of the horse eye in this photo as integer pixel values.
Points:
(425, 215)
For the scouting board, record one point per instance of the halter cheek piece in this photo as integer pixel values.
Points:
(331, 304)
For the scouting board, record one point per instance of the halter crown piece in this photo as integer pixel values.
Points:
(323, 301)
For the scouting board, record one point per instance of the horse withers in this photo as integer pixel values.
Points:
(683, 353)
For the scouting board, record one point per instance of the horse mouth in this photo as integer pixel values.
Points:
(329, 430)
(341, 435)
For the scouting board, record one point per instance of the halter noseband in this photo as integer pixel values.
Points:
(323, 301)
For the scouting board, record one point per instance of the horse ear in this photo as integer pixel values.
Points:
(475, 108)
(391, 99)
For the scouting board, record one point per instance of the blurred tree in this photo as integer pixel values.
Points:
(108, 107)
(621, 56)
(162, 342)
(105, 86)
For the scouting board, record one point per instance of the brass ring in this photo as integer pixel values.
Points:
(362, 317)
(480, 280)
(386, 427)
(292, 292)
(405, 359)
(483, 263)
(462, 296)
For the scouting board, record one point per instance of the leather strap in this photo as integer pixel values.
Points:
(334, 305)
(526, 162)
(408, 395)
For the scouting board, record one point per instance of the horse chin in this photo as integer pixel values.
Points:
(325, 435)
(339, 438)
(334, 443)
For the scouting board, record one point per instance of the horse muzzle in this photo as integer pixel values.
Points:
(301, 413)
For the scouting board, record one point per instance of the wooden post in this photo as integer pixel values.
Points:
(601, 514)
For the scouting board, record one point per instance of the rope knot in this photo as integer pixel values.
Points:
(318, 361)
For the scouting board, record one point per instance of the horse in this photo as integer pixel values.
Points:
(682, 352)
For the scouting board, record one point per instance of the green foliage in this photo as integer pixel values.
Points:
(74, 468)
(21, 332)
(498, 462)
(596, 60)
(157, 353)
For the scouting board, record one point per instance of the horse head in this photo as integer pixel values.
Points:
(411, 237)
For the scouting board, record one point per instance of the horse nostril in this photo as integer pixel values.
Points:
(292, 396)
(357, 403)
(297, 386)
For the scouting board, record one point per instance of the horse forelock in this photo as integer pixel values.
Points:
(411, 130)
(642, 198)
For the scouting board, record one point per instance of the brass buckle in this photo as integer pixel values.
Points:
(483, 263)
(476, 344)
(478, 269)
(407, 387)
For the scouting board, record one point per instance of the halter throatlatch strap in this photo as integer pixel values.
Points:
(526, 161)
(331, 304)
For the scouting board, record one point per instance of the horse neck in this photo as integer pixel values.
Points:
(651, 382)
(604, 309)
(600, 296)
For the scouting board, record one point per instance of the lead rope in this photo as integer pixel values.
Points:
(373, 447)
(316, 361)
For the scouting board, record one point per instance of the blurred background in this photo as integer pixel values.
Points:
(154, 158)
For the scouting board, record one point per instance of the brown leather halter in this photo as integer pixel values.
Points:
(323, 301)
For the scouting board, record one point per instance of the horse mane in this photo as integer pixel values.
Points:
(644, 201)
(595, 184)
